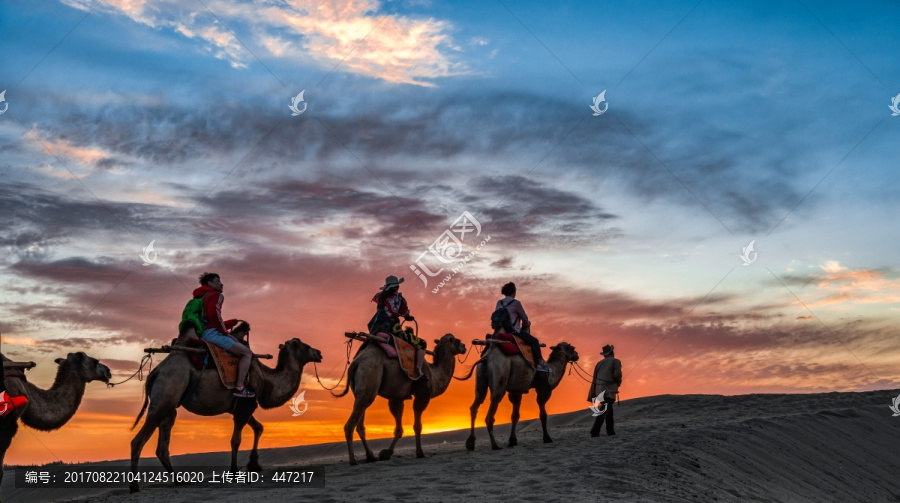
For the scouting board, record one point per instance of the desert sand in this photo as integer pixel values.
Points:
(774, 448)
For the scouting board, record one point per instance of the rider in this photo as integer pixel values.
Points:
(217, 333)
(8, 403)
(391, 307)
(516, 316)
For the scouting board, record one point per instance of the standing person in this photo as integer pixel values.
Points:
(608, 378)
(216, 333)
(517, 319)
(391, 306)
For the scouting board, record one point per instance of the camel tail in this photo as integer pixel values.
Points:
(472, 369)
(350, 372)
(150, 380)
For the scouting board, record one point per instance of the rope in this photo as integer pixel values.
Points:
(581, 373)
(467, 355)
(349, 346)
(148, 358)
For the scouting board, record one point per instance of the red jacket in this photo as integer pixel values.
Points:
(212, 307)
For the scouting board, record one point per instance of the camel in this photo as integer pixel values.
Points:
(373, 374)
(49, 409)
(175, 383)
(511, 374)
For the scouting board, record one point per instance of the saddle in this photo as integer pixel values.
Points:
(226, 363)
(404, 352)
(513, 346)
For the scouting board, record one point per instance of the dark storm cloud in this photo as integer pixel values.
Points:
(398, 141)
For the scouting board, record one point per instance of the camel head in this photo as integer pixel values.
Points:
(89, 369)
(455, 345)
(302, 352)
(566, 350)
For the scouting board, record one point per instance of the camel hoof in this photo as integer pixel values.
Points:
(385, 455)
(353, 462)
(470, 443)
(420, 454)
(513, 442)
(548, 440)
(254, 467)
(496, 448)
(134, 487)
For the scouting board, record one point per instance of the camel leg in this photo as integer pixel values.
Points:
(359, 410)
(516, 400)
(420, 403)
(489, 419)
(8, 429)
(361, 431)
(165, 436)
(257, 427)
(542, 398)
(239, 422)
(151, 423)
(396, 407)
(480, 395)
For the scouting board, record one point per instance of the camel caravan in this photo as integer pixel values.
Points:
(210, 369)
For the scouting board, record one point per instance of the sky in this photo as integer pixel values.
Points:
(131, 122)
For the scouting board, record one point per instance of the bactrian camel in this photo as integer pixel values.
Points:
(511, 375)
(172, 384)
(373, 374)
(49, 409)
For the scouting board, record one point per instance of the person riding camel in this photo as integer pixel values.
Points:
(517, 316)
(8, 403)
(391, 306)
(217, 331)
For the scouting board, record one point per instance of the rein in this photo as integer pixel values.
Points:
(316, 368)
(148, 358)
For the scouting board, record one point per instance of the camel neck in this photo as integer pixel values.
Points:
(557, 364)
(50, 409)
(275, 386)
(441, 370)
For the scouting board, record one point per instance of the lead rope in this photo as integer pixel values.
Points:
(467, 355)
(349, 346)
(148, 358)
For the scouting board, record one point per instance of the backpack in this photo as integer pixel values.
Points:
(501, 318)
(193, 313)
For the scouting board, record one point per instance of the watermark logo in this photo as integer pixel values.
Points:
(895, 101)
(6, 105)
(596, 106)
(448, 249)
(296, 100)
(896, 407)
(597, 401)
(149, 254)
(746, 255)
(295, 404)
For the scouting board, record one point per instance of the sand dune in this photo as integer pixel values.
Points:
(769, 448)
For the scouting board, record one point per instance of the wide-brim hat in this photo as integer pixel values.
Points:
(608, 349)
(391, 281)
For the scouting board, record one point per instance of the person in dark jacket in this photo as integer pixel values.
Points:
(607, 379)
(216, 333)
(390, 307)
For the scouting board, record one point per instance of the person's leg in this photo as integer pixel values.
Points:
(216, 337)
(598, 423)
(610, 427)
(244, 365)
(534, 343)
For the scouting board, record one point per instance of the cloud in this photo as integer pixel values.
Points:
(351, 35)
(840, 286)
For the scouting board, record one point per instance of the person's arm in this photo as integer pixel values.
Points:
(213, 308)
(617, 372)
(520, 313)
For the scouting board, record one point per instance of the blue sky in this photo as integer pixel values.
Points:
(727, 122)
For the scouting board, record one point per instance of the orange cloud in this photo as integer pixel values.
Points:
(865, 286)
(351, 33)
